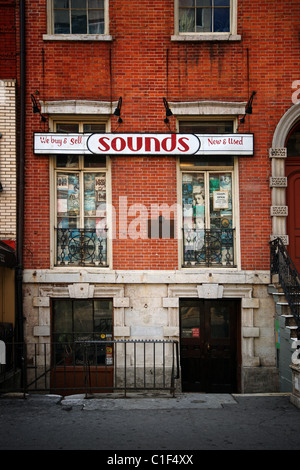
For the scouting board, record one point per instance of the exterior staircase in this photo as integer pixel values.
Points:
(285, 289)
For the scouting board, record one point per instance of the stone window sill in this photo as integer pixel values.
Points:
(77, 37)
(206, 37)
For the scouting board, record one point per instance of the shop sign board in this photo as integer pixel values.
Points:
(144, 144)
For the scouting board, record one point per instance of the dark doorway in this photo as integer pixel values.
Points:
(209, 345)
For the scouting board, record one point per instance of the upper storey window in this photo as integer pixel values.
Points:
(204, 16)
(205, 20)
(78, 17)
(77, 20)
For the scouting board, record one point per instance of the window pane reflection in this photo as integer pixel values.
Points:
(219, 322)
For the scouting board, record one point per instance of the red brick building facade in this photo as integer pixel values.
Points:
(8, 170)
(203, 61)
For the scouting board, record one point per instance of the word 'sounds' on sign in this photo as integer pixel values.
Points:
(144, 144)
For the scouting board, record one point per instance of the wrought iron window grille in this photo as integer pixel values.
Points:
(81, 247)
(208, 247)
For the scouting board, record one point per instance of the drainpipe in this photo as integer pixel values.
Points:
(20, 187)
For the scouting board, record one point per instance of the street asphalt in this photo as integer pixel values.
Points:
(149, 427)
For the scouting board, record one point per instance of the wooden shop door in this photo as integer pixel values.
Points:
(209, 345)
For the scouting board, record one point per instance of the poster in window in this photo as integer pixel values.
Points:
(73, 195)
(198, 196)
(220, 200)
(62, 194)
(89, 182)
(62, 206)
(214, 183)
(225, 182)
(187, 178)
(226, 222)
(187, 189)
(73, 183)
(100, 190)
(89, 204)
(89, 194)
(62, 182)
(73, 203)
(100, 184)
(101, 196)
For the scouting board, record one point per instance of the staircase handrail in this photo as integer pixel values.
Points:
(288, 277)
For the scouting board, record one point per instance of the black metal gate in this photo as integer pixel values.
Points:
(131, 365)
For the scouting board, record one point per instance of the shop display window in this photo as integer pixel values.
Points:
(207, 194)
(81, 217)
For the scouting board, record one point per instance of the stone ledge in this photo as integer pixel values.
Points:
(172, 302)
(99, 276)
(41, 330)
(41, 302)
(206, 37)
(171, 331)
(121, 302)
(250, 332)
(120, 331)
(250, 303)
(77, 37)
(77, 107)
(146, 331)
(210, 291)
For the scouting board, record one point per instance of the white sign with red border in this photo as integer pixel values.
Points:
(144, 144)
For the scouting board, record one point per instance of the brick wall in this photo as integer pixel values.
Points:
(142, 65)
(8, 160)
(8, 58)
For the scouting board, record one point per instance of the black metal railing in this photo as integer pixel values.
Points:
(288, 277)
(97, 366)
(208, 247)
(81, 247)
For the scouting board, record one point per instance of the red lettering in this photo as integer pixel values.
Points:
(185, 146)
(106, 146)
(139, 144)
(173, 143)
(148, 144)
(121, 146)
(74, 141)
(214, 142)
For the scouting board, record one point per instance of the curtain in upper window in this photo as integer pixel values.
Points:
(204, 16)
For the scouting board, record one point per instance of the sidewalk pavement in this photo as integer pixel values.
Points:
(143, 401)
(154, 424)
